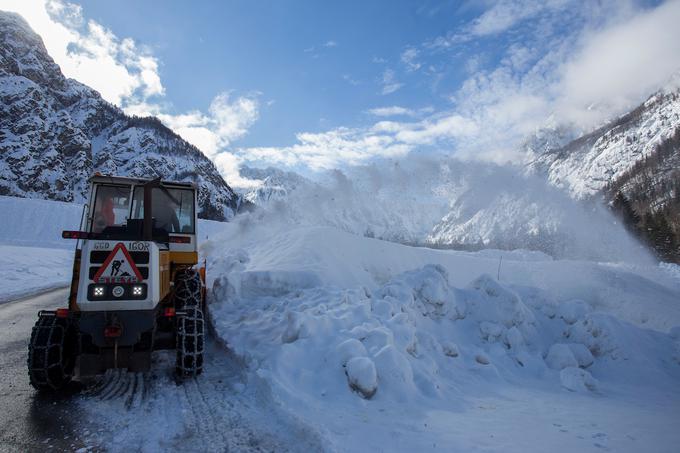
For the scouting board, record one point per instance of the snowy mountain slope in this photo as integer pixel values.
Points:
(386, 347)
(506, 210)
(586, 165)
(275, 185)
(56, 132)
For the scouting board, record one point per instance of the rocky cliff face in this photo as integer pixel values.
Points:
(56, 132)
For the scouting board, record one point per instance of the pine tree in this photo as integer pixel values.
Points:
(626, 213)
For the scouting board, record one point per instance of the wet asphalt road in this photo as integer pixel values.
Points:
(30, 421)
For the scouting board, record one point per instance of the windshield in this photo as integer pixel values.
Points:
(173, 209)
(111, 207)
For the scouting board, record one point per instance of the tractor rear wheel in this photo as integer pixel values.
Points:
(51, 353)
(190, 342)
(188, 289)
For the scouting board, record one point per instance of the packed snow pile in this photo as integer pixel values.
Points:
(377, 347)
(410, 328)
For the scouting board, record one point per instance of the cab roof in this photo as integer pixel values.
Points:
(108, 179)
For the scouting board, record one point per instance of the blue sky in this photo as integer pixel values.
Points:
(313, 85)
(319, 64)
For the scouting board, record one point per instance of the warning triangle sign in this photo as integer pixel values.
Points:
(118, 268)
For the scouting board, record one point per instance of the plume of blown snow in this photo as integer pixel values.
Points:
(445, 203)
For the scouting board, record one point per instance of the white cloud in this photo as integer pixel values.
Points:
(618, 66)
(504, 15)
(396, 110)
(331, 149)
(389, 82)
(89, 52)
(227, 120)
(349, 79)
(409, 58)
(354, 146)
(330, 43)
(391, 111)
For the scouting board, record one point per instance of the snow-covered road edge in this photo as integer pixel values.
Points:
(28, 271)
(39, 291)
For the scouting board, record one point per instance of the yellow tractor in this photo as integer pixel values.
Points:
(136, 287)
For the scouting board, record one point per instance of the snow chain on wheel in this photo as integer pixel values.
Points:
(51, 353)
(190, 342)
(188, 288)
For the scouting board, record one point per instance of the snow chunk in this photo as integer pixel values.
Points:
(450, 349)
(395, 371)
(572, 311)
(378, 338)
(499, 304)
(295, 328)
(560, 356)
(428, 288)
(577, 380)
(362, 376)
(598, 332)
(383, 308)
(491, 331)
(514, 338)
(482, 359)
(350, 349)
(582, 354)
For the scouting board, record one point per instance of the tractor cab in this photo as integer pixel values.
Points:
(118, 209)
(135, 285)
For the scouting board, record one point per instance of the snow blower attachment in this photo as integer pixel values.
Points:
(135, 287)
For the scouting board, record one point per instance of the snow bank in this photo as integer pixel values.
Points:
(643, 295)
(384, 346)
(29, 270)
(38, 222)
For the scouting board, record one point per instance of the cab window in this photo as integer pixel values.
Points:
(111, 207)
(173, 209)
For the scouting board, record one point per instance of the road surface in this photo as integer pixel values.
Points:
(29, 421)
(228, 408)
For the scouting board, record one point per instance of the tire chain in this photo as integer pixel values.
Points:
(187, 289)
(48, 341)
(190, 342)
